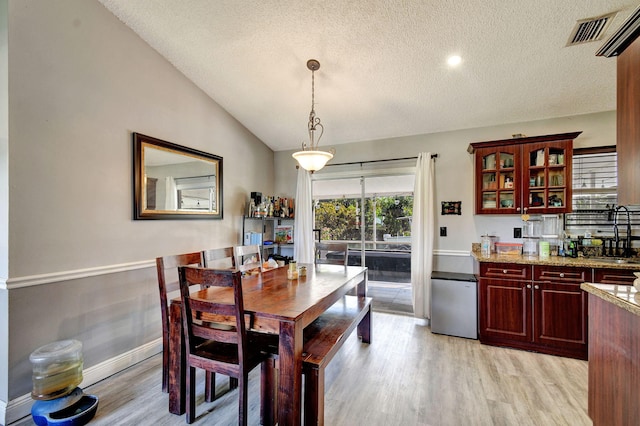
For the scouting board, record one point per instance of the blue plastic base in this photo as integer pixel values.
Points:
(75, 409)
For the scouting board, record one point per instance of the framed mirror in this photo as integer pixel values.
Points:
(175, 182)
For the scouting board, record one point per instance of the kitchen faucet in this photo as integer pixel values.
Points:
(627, 244)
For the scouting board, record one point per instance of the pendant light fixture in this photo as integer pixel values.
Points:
(310, 158)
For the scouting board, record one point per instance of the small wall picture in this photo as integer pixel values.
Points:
(451, 207)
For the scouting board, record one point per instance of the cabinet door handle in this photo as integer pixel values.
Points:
(504, 271)
(517, 209)
(561, 275)
(536, 287)
(525, 209)
(528, 285)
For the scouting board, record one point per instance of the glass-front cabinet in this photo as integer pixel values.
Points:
(524, 175)
(499, 170)
(548, 171)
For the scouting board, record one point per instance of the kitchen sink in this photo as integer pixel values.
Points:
(617, 260)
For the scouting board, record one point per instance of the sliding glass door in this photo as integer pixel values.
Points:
(372, 213)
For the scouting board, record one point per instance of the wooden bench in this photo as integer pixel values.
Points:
(322, 340)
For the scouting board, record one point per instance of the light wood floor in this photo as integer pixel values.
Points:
(407, 376)
(391, 297)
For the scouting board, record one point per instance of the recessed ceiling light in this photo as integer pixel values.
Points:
(454, 60)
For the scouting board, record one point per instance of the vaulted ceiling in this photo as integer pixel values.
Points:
(383, 62)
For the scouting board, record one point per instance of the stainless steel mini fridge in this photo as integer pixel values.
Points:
(454, 304)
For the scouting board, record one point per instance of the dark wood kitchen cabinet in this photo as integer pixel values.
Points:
(497, 173)
(504, 303)
(524, 175)
(625, 45)
(614, 370)
(560, 310)
(628, 125)
(538, 308)
(614, 332)
(613, 276)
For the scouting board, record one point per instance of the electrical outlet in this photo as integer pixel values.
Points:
(517, 232)
(443, 231)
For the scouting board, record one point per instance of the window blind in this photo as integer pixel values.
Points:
(595, 180)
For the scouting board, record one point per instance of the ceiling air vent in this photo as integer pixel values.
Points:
(591, 29)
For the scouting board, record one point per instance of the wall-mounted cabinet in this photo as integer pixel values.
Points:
(524, 175)
(497, 174)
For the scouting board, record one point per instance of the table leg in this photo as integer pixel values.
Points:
(364, 328)
(363, 285)
(177, 358)
(290, 375)
(268, 403)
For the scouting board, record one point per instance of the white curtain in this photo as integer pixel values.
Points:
(422, 231)
(303, 224)
(171, 195)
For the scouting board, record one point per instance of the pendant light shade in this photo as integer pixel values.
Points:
(311, 158)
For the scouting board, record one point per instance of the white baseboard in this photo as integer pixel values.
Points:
(20, 407)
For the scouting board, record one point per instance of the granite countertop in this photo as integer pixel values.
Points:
(580, 261)
(623, 296)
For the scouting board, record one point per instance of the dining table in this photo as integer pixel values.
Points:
(275, 304)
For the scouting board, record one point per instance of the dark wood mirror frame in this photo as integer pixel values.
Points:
(195, 179)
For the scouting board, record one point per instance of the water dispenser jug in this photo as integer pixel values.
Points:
(57, 372)
(57, 369)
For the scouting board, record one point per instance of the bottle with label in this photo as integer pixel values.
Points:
(544, 249)
(573, 249)
(485, 249)
(564, 245)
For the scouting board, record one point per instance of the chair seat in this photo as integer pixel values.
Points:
(260, 344)
(218, 352)
(265, 342)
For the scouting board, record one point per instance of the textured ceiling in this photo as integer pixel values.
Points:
(383, 63)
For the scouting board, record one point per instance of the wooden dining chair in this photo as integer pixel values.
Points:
(168, 282)
(220, 258)
(248, 258)
(228, 349)
(331, 253)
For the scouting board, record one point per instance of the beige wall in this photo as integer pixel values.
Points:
(80, 82)
(4, 198)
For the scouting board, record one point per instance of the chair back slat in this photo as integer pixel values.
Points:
(220, 258)
(208, 277)
(213, 307)
(210, 333)
(167, 269)
(248, 258)
(331, 253)
(194, 312)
